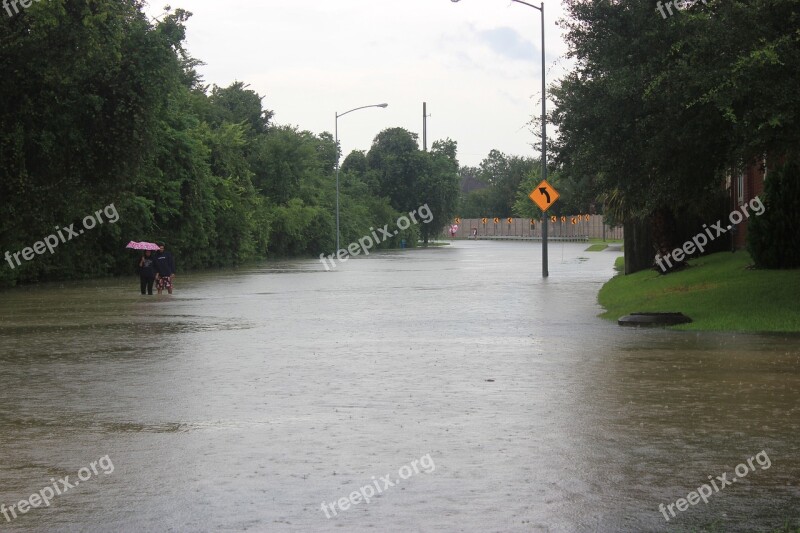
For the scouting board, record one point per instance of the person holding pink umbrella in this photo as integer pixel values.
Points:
(147, 272)
(146, 265)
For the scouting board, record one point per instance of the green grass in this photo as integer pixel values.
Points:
(595, 240)
(717, 291)
(596, 247)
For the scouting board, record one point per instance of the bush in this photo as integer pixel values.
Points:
(773, 239)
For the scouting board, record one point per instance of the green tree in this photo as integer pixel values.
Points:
(504, 176)
(355, 163)
(773, 238)
(85, 85)
(438, 187)
(397, 162)
(657, 110)
(237, 104)
(477, 204)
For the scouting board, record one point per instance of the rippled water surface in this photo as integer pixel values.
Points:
(250, 397)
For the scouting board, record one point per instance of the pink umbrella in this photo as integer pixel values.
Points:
(133, 245)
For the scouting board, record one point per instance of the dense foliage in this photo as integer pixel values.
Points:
(773, 237)
(502, 176)
(99, 105)
(660, 108)
(505, 182)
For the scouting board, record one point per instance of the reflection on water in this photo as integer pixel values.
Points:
(249, 397)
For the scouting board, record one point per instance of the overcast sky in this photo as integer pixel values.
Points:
(476, 63)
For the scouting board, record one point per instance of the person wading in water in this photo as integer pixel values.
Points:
(165, 269)
(147, 272)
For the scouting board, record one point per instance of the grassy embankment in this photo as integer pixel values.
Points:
(598, 245)
(717, 291)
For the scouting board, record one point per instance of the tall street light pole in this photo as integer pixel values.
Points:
(337, 162)
(545, 271)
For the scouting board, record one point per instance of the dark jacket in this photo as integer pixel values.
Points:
(165, 264)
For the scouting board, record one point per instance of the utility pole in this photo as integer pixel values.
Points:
(545, 269)
(425, 116)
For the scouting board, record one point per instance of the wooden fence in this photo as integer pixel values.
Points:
(577, 227)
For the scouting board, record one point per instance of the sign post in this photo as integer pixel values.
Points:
(544, 195)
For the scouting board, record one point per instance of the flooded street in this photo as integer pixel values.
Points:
(250, 397)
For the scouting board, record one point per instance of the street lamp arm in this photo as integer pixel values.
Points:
(336, 140)
(517, 1)
(529, 5)
(362, 107)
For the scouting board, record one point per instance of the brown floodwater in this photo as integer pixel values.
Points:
(251, 396)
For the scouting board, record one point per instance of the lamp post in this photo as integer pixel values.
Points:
(337, 162)
(545, 272)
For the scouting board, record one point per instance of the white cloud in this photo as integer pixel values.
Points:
(475, 62)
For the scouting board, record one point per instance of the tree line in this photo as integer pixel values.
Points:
(501, 184)
(99, 105)
(656, 116)
(659, 112)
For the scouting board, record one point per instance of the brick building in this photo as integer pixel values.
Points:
(743, 185)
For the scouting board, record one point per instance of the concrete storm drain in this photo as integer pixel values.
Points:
(653, 319)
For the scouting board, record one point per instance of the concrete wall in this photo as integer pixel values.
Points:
(522, 227)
